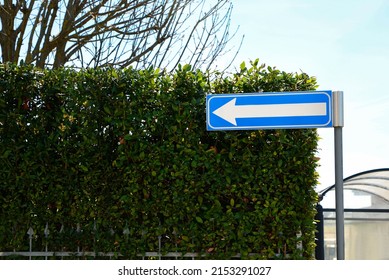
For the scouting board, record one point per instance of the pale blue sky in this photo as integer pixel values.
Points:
(345, 44)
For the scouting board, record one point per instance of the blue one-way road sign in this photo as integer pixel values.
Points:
(310, 109)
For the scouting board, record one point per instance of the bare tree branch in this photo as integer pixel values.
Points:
(140, 33)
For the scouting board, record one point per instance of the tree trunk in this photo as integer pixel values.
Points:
(8, 35)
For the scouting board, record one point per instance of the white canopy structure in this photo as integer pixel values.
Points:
(366, 206)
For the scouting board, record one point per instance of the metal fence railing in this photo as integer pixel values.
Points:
(79, 253)
(48, 253)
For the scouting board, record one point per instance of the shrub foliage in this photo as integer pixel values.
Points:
(119, 160)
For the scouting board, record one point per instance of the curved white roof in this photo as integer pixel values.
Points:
(374, 182)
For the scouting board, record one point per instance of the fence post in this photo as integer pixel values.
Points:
(30, 233)
(78, 231)
(112, 231)
(319, 250)
(126, 233)
(175, 241)
(159, 246)
(95, 238)
(61, 232)
(46, 233)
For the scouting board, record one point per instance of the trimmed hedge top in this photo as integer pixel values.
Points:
(124, 156)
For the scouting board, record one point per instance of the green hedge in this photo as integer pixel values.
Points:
(124, 155)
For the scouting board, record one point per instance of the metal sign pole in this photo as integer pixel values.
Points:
(339, 203)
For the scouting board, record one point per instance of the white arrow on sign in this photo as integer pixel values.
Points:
(230, 112)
